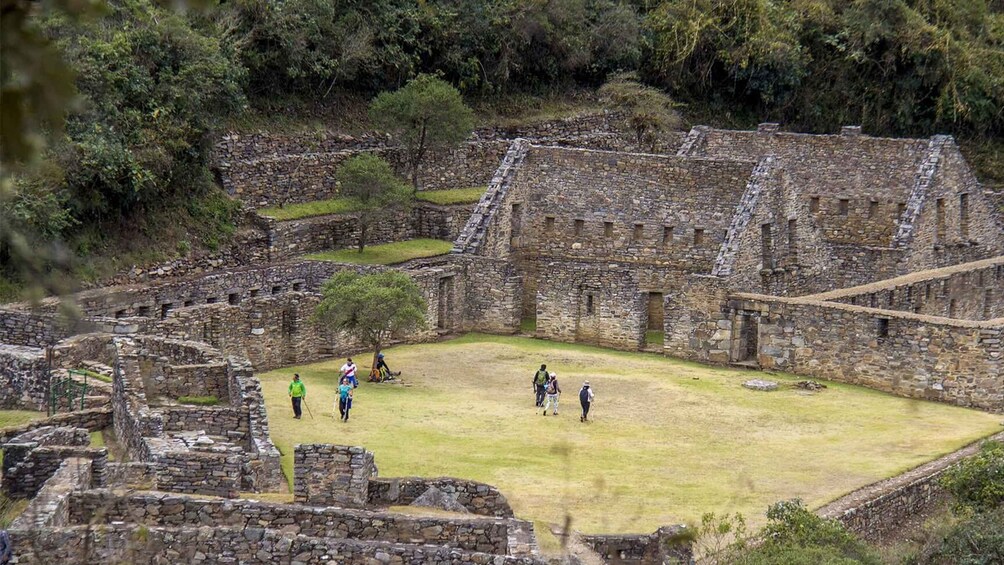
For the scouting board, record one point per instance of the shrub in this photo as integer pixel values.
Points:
(977, 483)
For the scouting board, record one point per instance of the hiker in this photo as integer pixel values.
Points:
(349, 370)
(553, 391)
(540, 379)
(585, 399)
(297, 392)
(383, 371)
(345, 398)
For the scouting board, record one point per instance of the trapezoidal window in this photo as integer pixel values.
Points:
(698, 236)
(872, 208)
(577, 226)
(638, 232)
(667, 235)
(549, 224)
(234, 298)
(590, 305)
(883, 328)
(608, 229)
(844, 206)
(766, 246)
(813, 204)
(939, 210)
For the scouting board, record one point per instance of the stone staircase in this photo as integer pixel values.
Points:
(472, 236)
(925, 176)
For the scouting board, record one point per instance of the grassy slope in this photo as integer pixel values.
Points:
(18, 417)
(343, 205)
(670, 441)
(387, 253)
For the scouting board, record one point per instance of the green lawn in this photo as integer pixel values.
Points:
(453, 195)
(344, 205)
(387, 253)
(18, 417)
(669, 441)
(339, 205)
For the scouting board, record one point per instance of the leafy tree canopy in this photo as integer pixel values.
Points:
(427, 114)
(377, 190)
(649, 110)
(977, 483)
(372, 308)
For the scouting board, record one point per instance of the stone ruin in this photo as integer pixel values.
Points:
(844, 257)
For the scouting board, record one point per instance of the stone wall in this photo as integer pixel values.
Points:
(668, 544)
(213, 420)
(51, 506)
(25, 383)
(31, 329)
(93, 419)
(332, 475)
(118, 543)
(261, 466)
(31, 458)
(591, 303)
(879, 510)
(955, 222)
(473, 534)
(478, 498)
(907, 354)
(273, 178)
(215, 472)
(341, 231)
(970, 291)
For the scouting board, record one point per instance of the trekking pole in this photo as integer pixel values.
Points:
(307, 407)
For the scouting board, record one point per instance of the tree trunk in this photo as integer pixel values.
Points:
(416, 162)
(362, 236)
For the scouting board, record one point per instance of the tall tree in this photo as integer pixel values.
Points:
(377, 190)
(427, 114)
(372, 308)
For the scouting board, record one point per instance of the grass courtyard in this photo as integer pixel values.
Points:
(670, 439)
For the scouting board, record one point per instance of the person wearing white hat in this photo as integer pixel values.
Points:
(585, 399)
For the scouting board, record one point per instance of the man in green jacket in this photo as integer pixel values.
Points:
(297, 392)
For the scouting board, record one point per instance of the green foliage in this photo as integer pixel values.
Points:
(374, 188)
(977, 483)
(793, 536)
(387, 253)
(427, 114)
(199, 400)
(978, 540)
(372, 308)
(649, 110)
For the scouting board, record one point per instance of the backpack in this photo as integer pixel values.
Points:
(552, 387)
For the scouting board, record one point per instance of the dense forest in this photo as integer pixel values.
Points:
(154, 82)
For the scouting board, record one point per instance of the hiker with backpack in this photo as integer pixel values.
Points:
(553, 391)
(540, 379)
(585, 399)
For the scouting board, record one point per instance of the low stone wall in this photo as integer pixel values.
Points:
(475, 534)
(121, 544)
(341, 231)
(477, 498)
(50, 507)
(880, 509)
(26, 478)
(668, 544)
(25, 382)
(213, 420)
(93, 419)
(199, 472)
(174, 381)
(262, 470)
(332, 475)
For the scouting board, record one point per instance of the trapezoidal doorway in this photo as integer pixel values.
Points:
(745, 339)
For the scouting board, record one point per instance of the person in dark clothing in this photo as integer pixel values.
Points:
(585, 399)
(539, 382)
(6, 549)
(297, 392)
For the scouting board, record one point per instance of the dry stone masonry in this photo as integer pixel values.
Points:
(867, 260)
